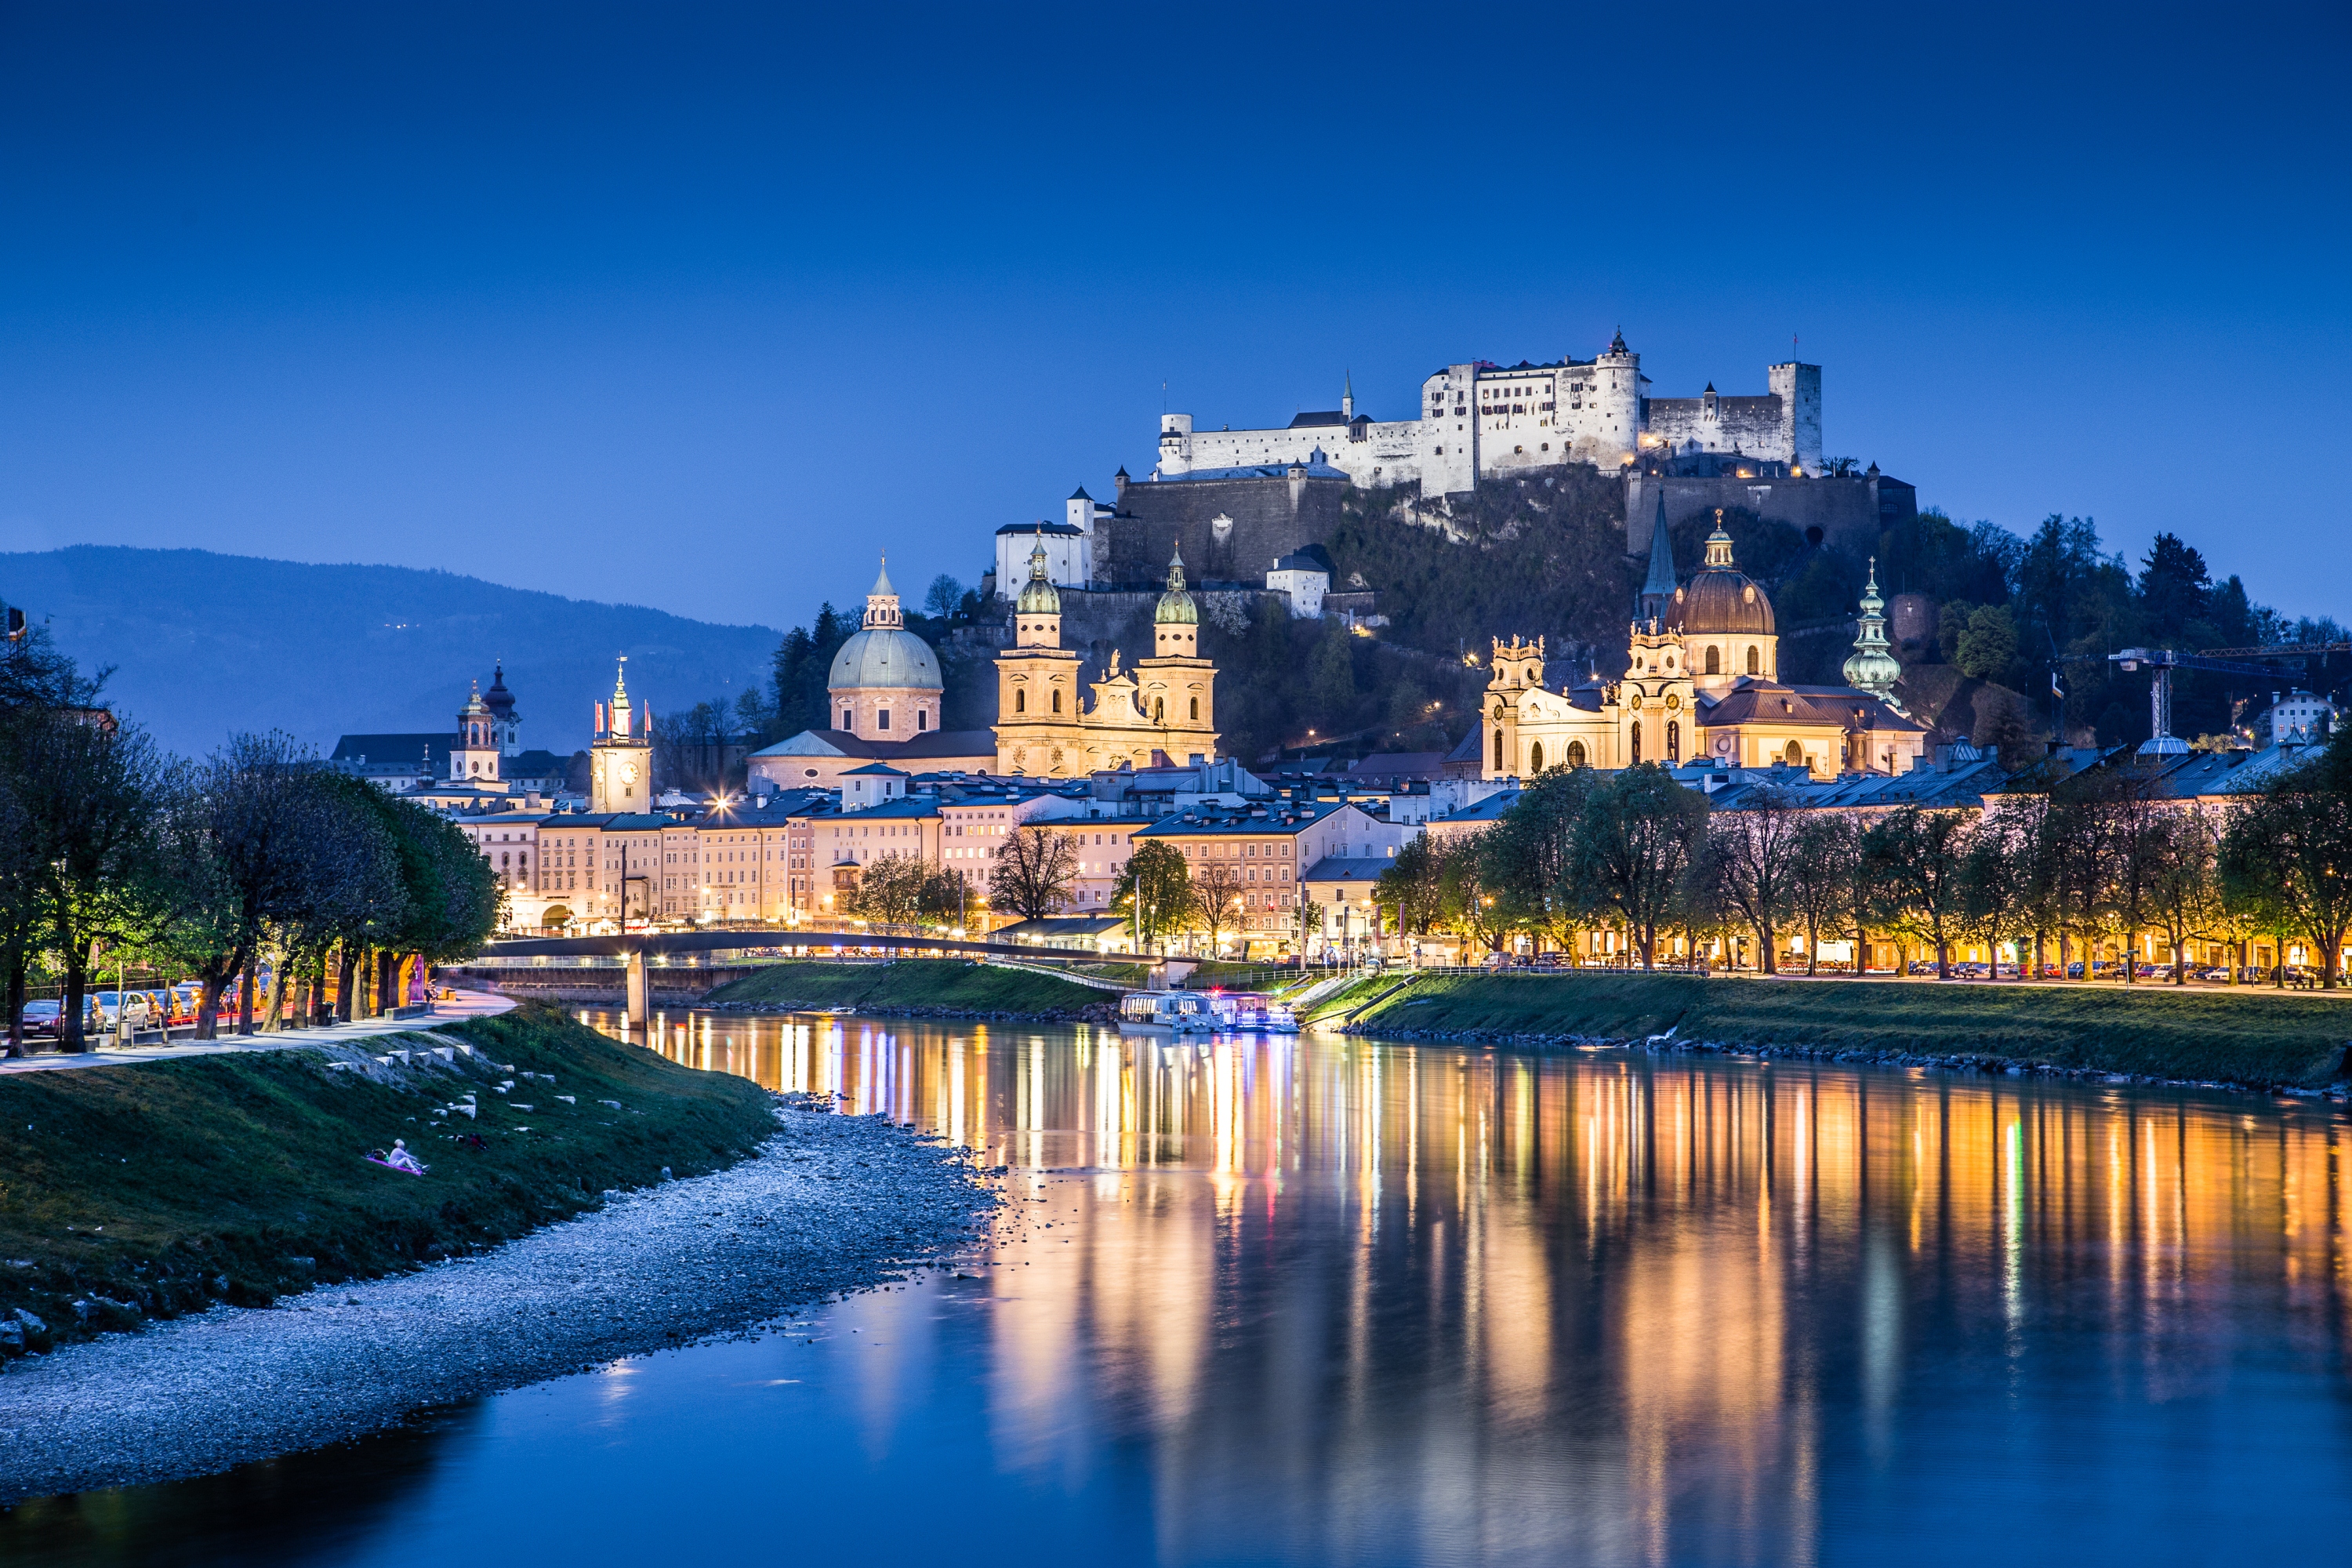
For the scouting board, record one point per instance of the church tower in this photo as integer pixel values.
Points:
(1176, 688)
(1658, 587)
(475, 758)
(1872, 666)
(1037, 684)
(500, 703)
(621, 761)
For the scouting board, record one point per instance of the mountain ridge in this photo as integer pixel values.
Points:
(205, 644)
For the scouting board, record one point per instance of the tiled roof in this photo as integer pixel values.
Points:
(1274, 820)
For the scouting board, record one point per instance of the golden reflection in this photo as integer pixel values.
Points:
(1639, 1285)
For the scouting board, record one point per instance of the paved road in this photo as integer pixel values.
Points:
(469, 1005)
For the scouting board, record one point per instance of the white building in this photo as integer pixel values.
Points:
(2312, 715)
(1069, 546)
(1479, 420)
(1305, 577)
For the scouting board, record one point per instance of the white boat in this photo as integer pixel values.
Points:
(1253, 1013)
(1165, 1012)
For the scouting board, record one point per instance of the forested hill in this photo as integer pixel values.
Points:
(205, 644)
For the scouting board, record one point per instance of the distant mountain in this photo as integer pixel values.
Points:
(203, 644)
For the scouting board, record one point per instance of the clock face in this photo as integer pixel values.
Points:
(629, 772)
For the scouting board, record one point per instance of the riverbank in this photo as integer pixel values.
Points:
(918, 988)
(829, 1205)
(2253, 1041)
(133, 1192)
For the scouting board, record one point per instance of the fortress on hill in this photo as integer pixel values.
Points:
(1485, 421)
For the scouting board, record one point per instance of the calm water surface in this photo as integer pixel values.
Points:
(1326, 1300)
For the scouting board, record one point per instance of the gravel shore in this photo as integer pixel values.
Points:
(832, 1204)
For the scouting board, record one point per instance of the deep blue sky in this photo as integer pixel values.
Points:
(697, 308)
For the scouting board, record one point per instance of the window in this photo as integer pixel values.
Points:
(1796, 755)
(1196, 711)
(922, 718)
(1057, 699)
(1159, 710)
(1673, 740)
(1715, 661)
(1637, 743)
(1755, 663)
(1575, 754)
(1498, 750)
(1535, 759)
(1021, 702)
(882, 719)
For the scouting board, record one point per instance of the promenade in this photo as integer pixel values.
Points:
(467, 1005)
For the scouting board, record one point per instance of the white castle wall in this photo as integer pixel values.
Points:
(1487, 422)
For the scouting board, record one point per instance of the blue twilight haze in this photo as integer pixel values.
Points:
(698, 307)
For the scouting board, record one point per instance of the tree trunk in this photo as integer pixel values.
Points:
(1764, 940)
(77, 995)
(245, 999)
(1943, 959)
(387, 971)
(344, 964)
(1812, 950)
(16, 960)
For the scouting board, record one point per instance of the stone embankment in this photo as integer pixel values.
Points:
(830, 1205)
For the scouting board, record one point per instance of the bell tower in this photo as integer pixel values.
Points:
(475, 758)
(621, 761)
(1176, 688)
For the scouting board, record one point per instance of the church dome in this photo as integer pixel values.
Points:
(885, 654)
(1721, 599)
(1176, 607)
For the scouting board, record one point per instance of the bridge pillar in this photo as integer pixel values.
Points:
(637, 972)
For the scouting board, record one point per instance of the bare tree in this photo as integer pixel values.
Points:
(1217, 894)
(1034, 872)
(1816, 878)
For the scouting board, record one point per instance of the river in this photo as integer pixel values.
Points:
(1332, 1300)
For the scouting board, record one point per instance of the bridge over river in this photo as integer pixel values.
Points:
(635, 966)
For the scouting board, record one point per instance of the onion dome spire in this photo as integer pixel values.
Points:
(1176, 607)
(1038, 596)
(1873, 667)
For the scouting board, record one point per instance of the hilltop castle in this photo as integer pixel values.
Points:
(1484, 421)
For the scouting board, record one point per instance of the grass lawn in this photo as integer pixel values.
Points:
(2265, 1038)
(166, 1186)
(954, 983)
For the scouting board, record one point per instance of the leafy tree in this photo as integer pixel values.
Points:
(2291, 848)
(1217, 894)
(1919, 855)
(1816, 877)
(1155, 889)
(1639, 833)
(1986, 645)
(1331, 678)
(2184, 891)
(1034, 872)
(1750, 865)
(891, 890)
(1529, 858)
(1998, 874)
(1410, 888)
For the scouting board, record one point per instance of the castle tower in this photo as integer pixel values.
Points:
(1658, 588)
(1612, 409)
(1657, 701)
(1872, 666)
(1799, 388)
(621, 761)
(1514, 669)
(475, 758)
(1176, 688)
(1348, 395)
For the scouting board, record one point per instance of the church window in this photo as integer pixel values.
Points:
(1673, 740)
(1715, 661)
(1575, 754)
(1535, 758)
(1498, 750)
(922, 718)
(1021, 702)
(848, 721)
(1637, 743)
(1196, 710)
(1057, 699)
(882, 719)
(1796, 755)
(1755, 664)
(1159, 710)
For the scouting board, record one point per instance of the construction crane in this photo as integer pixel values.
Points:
(2161, 662)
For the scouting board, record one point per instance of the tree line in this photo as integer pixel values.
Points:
(2059, 866)
(256, 857)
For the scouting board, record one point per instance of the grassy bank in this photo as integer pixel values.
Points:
(911, 985)
(2256, 1038)
(157, 1189)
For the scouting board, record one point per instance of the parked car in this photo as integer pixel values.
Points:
(41, 1017)
(132, 1003)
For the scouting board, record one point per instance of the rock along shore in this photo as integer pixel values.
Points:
(1850, 1056)
(1095, 1013)
(832, 1203)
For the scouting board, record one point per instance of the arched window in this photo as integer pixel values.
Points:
(1637, 743)
(1715, 661)
(1498, 750)
(1057, 699)
(1673, 740)
(1754, 659)
(1196, 711)
(848, 720)
(1021, 702)
(1535, 759)
(1796, 755)
(1575, 754)
(1159, 710)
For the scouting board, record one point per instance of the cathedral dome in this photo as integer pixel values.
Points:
(1721, 598)
(885, 654)
(1176, 607)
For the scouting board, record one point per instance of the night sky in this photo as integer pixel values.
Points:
(698, 308)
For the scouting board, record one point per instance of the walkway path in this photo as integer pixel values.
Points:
(469, 1005)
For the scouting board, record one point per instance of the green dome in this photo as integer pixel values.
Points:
(1873, 667)
(1038, 596)
(1176, 607)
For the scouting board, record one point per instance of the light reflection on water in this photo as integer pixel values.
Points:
(1325, 1299)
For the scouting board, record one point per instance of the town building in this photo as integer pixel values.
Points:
(1251, 859)
(400, 763)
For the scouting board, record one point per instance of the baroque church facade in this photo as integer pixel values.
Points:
(1701, 684)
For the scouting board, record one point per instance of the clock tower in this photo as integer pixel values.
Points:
(620, 764)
